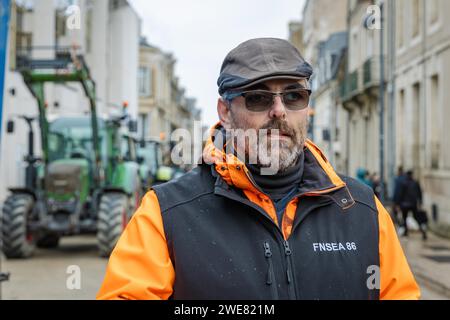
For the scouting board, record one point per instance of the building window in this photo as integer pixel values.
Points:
(435, 134)
(145, 82)
(434, 11)
(400, 23)
(89, 29)
(415, 125)
(143, 125)
(400, 131)
(21, 41)
(416, 18)
(355, 51)
(60, 23)
(369, 44)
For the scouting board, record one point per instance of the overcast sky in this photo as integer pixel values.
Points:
(200, 33)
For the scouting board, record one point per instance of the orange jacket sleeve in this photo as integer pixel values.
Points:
(140, 266)
(397, 281)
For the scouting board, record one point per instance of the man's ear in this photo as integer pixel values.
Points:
(224, 113)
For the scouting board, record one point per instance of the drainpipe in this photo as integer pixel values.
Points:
(391, 102)
(348, 131)
(381, 106)
(423, 102)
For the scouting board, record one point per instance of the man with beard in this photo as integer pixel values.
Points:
(264, 216)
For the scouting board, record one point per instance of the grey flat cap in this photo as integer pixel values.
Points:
(259, 60)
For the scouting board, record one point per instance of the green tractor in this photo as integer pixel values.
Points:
(150, 159)
(152, 169)
(87, 180)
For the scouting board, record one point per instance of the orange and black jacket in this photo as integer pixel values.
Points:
(213, 234)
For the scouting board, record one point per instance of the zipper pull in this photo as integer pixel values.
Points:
(268, 255)
(267, 251)
(288, 252)
(287, 248)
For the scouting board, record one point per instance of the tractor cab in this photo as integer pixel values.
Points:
(71, 138)
(150, 160)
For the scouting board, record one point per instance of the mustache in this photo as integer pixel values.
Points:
(277, 124)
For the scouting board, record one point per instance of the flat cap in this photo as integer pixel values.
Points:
(259, 60)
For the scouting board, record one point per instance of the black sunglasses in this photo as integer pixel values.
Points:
(262, 100)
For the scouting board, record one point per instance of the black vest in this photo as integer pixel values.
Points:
(223, 246)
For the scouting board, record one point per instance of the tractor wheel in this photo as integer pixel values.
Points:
(48, 241)
(18, 241)
(112, 219)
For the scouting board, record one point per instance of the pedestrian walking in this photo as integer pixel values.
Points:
(362, 175)
(376, 184)
(398, 183)
(410, 200)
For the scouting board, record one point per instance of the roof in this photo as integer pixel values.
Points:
(144, 43)
(331, 53)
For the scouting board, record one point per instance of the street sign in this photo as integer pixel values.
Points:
(4, 27)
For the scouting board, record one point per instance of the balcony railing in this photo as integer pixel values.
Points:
(349, 86)
(361, 81)
(353, 82)
(371, 72)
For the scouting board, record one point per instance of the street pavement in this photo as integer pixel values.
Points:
(430, 263)
(46, 275)
(429, 294)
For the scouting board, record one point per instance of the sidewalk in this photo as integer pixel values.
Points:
(429, 261)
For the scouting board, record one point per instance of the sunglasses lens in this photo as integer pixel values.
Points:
(296, 100)
(258, 101)
(262, 101)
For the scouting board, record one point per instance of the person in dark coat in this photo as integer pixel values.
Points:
(252, 222)
(376, 184)
(396, 195)
(410, 199)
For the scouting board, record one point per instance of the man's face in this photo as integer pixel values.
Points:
(277, 148)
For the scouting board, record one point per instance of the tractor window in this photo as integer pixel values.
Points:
(72, 138)
(128, 150)
(56, 146)
(151, 155)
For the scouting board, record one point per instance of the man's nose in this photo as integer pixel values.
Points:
(278, 109)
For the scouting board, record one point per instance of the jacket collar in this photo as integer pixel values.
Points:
(319, 177)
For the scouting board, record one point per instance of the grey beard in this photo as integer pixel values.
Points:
(282, 159)
(261, 153)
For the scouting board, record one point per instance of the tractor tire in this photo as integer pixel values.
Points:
(17, 241)
(48, 241)
(112, 218)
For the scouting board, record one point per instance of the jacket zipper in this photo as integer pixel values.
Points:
(287, 250)
(289, 271)
(270, 280)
